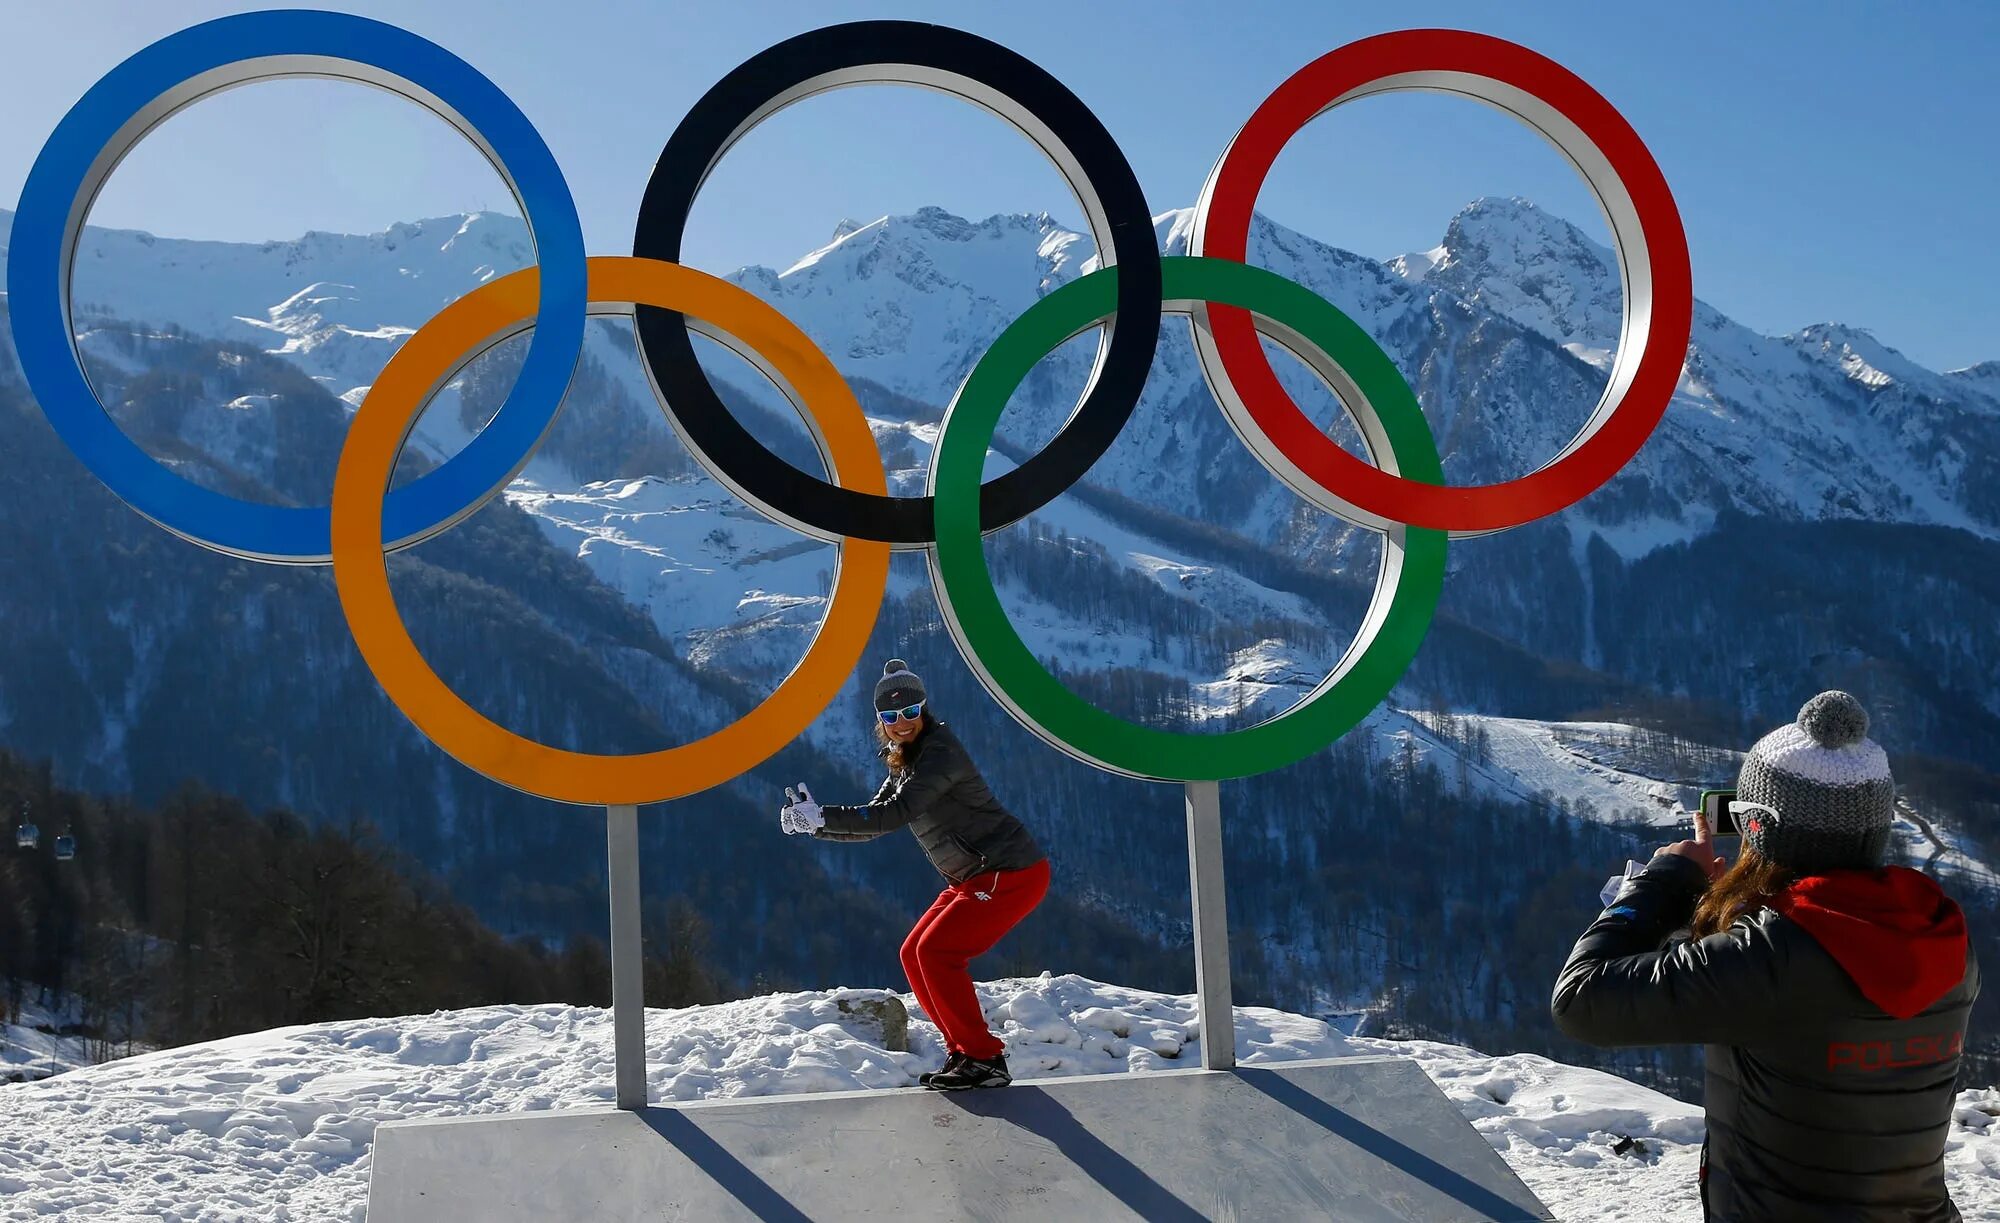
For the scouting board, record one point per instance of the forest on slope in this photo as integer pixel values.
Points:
(198, 918)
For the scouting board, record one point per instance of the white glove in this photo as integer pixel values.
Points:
(801, 813)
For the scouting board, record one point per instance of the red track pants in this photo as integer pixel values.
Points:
(965, 921)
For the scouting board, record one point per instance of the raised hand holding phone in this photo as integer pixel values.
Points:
(1701, 850)
(1723, 832)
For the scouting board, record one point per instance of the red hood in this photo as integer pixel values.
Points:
(1893, 930)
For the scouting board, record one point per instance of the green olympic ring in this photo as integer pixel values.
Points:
(1406, 590)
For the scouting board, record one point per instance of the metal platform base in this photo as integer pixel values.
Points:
(1351, 1139)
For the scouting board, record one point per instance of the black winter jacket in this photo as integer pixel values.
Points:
(1821, 1103)
(944, 802)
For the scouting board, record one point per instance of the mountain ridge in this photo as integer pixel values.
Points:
(1568, 233)
(1177, 585)
(1829, 422)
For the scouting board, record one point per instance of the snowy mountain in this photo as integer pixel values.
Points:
(1824, 422)
(1983, 377)
(1505, 328)
(281, 1123)
(1814, 511)
(330, 301)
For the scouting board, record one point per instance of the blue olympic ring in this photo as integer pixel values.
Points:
(200, 60)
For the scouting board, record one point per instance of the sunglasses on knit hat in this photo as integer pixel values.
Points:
(908, 713)
(1756, 813)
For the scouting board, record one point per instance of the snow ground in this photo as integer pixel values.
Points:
(278, 1125)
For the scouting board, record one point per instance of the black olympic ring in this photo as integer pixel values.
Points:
(1003, 82)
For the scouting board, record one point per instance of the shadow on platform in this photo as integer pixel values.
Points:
(1353, 1138)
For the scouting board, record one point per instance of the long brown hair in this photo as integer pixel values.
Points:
(894, 752)
(1745, 888)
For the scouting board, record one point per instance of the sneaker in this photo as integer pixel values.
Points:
(952, 1061)
(973, 1072)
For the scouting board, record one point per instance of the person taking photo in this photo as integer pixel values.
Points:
(1831, 991)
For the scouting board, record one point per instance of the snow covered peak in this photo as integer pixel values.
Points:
(846, 231)
(1858, 354)
(1830, 420)
(1416, 265)
(327, 300)
(1874, 367)
(1360, 286)
(1499, 223)
(1983, 377)
(1510, 257)
(907, 301)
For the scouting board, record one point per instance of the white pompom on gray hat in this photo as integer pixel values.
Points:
(899, 686)
(1830, 785)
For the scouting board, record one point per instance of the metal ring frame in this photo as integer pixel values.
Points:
(174, 73)
(473, 324)
(1231, 303)
(1000, 81)
(1646, 232)
(1407, 583)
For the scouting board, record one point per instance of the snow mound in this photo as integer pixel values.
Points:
(279, 1125)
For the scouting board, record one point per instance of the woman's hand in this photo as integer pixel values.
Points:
(1700, 851)
(801, 813)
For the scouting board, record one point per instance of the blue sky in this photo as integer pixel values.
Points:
(1831, 161)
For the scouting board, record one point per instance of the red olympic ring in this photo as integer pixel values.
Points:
(1659, 287)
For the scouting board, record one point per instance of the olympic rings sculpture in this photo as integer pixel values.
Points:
(1399, 492)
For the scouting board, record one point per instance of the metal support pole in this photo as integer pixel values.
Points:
(1211, 925)
(628, 966)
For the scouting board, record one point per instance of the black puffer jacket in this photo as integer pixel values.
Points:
(1833, 1021)
(944, 802)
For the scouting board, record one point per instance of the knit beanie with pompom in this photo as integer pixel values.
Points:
(1830, 785)
(899, 686)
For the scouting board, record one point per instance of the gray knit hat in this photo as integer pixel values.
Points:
(899, 686)
(1830, 785)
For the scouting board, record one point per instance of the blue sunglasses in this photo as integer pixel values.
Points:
(908, 713)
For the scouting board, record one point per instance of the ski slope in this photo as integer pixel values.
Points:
(1595, 767)
(1527, 759)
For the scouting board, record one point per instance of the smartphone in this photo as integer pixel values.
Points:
(1714, 815)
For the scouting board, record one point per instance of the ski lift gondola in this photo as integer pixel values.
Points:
(27, 836)
(65, 847)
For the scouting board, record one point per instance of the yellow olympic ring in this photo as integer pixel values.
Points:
(360, 569)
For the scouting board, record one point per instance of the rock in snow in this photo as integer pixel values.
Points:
(278, 1125)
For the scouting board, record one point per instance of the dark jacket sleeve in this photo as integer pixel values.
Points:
(929, 778)
(830, 833)
(1620, 987)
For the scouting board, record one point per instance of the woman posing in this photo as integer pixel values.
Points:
(994, 872)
